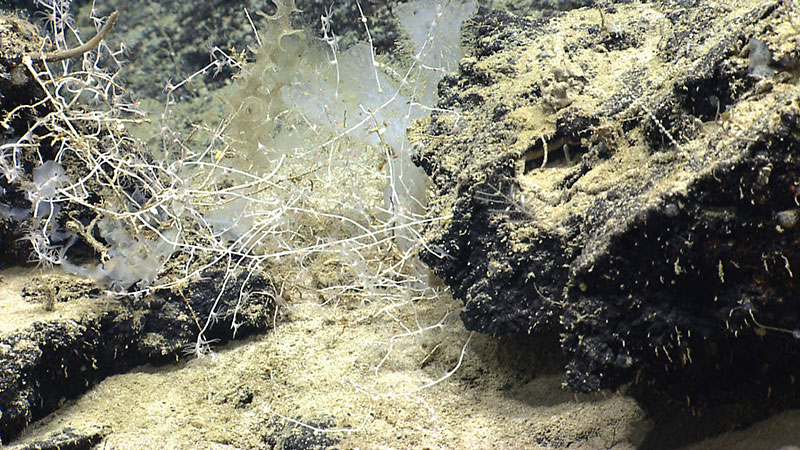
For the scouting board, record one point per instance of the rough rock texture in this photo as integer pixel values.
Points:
(170, 40)
(630, 181)
(66, 439)
(17, 37)
(49, 361)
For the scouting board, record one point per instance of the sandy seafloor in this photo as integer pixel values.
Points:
(319, 367)
(341, 367)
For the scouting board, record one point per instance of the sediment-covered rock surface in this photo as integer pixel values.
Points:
(628, 178)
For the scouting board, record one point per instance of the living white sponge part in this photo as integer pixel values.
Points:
(440, 44)
(365, 105)
(131, 259)
(47, 178)
(435, 29)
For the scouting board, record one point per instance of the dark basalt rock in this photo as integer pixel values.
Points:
(66, 439)
(47, 362)
(643, 203)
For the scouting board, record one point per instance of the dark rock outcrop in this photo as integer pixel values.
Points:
(49, 361)
(630, 181)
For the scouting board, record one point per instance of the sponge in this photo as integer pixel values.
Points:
(435, 30)
(131, 259)
(360, 99)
